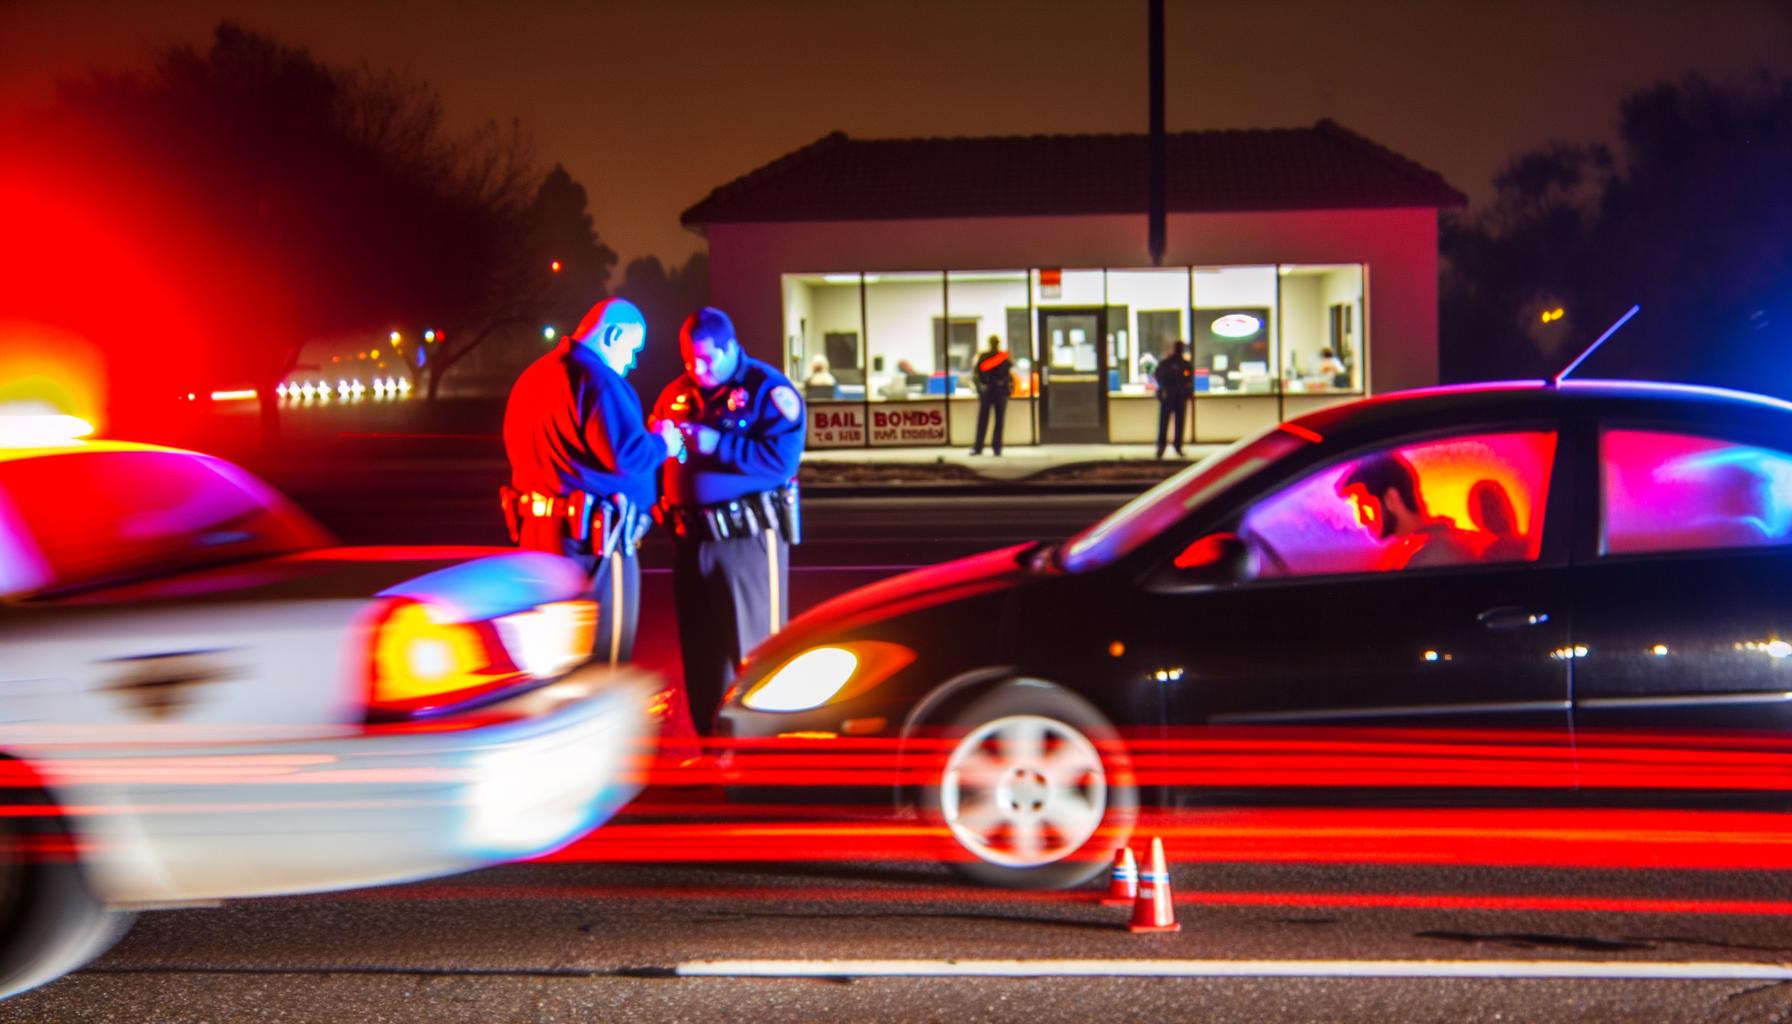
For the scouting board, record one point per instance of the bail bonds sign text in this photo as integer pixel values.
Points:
(908, 423)
(836, 426)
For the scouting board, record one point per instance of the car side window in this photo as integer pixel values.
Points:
(1667, 491)
(101, 517)
(1464, 500)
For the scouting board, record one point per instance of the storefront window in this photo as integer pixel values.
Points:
(1323, 343)
(1147, 313)
(823, 328)
(1083, 342)
(1235, 330)
(985, 304)
(908, 335)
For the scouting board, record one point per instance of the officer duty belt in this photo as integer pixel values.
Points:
(600, 524)
(746, 516)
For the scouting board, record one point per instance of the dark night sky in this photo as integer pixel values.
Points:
(650, 104)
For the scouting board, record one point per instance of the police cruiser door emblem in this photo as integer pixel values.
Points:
(160, 686)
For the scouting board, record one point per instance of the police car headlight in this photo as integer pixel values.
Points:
(823, 675)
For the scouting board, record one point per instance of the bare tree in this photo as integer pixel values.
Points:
(331, 201)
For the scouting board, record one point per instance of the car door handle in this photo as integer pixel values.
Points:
(1511, 617)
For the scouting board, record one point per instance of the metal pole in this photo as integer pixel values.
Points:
(1155, 188)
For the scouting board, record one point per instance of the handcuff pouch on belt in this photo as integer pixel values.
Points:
(746, 516)
(510, 501)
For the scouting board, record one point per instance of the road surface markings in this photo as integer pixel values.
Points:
(1501, 969)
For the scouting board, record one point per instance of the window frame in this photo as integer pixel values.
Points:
(304, 532)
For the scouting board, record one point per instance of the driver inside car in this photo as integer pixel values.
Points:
(1389, 504)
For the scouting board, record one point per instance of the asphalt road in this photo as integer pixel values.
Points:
(581, 942)
(601, 936)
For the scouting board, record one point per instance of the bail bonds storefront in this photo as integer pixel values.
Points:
(1300, 268)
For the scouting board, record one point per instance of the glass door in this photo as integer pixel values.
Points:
(1073, 406)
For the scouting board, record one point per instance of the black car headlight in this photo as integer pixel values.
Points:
(823, 675)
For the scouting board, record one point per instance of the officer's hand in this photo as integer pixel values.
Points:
(705, 438)
(669, 435)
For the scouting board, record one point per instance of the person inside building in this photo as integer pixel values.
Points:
(995, 382)
(1391, 506)
(1175, 377)
(819, 374)
(732, 506)
(582, 463)
(1332, 370)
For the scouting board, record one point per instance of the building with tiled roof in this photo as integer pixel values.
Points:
(895, 261)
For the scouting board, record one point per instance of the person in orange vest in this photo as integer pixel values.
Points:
(995, 382)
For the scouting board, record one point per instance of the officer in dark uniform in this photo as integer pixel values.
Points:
(995, 381)
(732, 506)
(1175, 377)
(582, 463)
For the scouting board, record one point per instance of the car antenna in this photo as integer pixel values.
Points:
(1609, 331)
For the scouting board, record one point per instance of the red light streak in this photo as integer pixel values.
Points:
(1183, 896)
(1591, 838)
(684, 817)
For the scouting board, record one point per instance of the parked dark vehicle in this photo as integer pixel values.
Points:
(1554, 563)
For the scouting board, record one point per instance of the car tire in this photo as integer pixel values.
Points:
(50, 921)
(1033, 787)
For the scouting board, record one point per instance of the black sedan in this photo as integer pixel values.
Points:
(1518, 570)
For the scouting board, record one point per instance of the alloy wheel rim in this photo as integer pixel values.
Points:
(1023, 791)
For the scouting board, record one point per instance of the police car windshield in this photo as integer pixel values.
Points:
(95, 518)
(1149, 514)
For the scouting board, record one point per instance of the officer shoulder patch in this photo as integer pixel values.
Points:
(784, 397)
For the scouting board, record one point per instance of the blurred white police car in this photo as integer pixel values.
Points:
(202, 698)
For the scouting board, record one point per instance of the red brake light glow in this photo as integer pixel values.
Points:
(420, 661)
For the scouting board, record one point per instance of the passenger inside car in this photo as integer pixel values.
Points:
(1490, 508)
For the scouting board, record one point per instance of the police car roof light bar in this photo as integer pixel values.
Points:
(1609, 331)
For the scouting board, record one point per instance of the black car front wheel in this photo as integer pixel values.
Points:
(1034, 788)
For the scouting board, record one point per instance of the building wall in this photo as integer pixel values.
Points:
(1399, 248)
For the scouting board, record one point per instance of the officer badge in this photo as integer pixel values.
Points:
(787, 402)
(737, 399)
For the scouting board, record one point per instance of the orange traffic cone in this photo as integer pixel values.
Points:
(1153, 911)
(1123, 882)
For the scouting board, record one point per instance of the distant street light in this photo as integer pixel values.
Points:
(554, 266)
(548, 332)
(396, 338)
(429, 335)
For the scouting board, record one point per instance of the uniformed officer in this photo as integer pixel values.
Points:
(582, 463)
(731, 506)
(995, 380)
(1175, 377)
